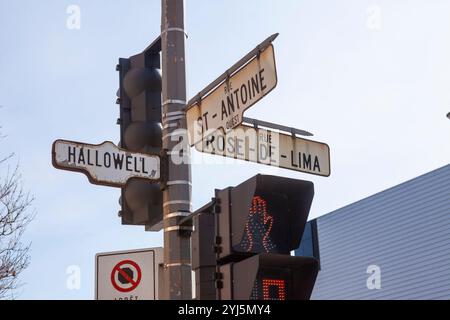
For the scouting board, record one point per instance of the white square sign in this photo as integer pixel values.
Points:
(128, 275)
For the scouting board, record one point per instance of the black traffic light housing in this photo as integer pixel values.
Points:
(265, 214)
(139, 97)
(269, 277)
(243, 238)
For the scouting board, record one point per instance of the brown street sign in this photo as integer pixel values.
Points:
(223, 107)
(105, 163)
(271, 148)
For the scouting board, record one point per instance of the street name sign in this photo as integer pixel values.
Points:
(271, 148)
(224, 106)
(105, 163)
(128, 275)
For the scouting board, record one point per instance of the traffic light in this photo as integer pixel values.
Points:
(269, 277)
(260, 222)
(265, 214)
(243, 238)
(139, 97)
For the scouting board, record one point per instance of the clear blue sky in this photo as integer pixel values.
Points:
(370, 78)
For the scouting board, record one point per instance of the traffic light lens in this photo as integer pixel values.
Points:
(257, 237)
(274, 289)
(143, 136)
(265, 229)
(269, 289)
(271, 284)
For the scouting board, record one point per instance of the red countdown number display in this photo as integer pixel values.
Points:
(274, 289)
(271, 283)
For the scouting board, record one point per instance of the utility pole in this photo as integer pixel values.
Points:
(177, 192)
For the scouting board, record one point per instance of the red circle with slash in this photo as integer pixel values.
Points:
(134, 281)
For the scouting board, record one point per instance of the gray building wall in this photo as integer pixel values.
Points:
(404, 230)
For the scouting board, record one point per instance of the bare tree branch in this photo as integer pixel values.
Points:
(15, 215)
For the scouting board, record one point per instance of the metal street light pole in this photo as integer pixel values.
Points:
(177, 192)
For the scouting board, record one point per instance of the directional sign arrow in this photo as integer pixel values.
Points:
(105, 164)
(221, 105)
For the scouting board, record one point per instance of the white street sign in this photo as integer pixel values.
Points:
(128, 275)
(104, 164)
(223, 108)
(270, 148)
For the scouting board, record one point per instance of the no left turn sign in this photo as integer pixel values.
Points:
(126, 275)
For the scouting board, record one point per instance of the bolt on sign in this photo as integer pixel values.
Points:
(128, 275)
(105, 164)
(270, 148)
(223, 108)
